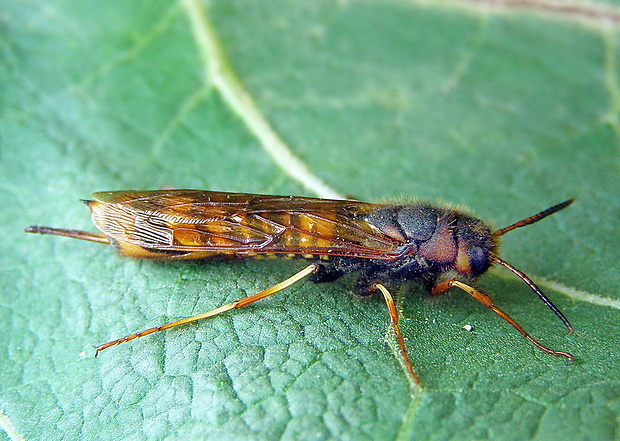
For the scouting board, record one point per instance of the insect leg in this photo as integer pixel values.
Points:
(76, 234)
(486, 301)
(389, 301)
(232, 305)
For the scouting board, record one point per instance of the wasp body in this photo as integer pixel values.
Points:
(386, 244)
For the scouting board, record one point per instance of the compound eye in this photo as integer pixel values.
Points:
(478, 259)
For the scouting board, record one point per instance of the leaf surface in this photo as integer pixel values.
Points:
(506, 111)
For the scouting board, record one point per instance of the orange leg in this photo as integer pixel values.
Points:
(486, 301)
(389, 301)
(232, 305)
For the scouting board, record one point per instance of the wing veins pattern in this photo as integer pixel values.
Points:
(247, 225)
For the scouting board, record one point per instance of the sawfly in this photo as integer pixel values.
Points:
(386, 245)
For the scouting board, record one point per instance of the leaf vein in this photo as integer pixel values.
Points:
(596, 13)
(611, 82)
(576, 294)
(9, 428)
(132, 52)
(220, 74)
(186, 108)
(570, 292)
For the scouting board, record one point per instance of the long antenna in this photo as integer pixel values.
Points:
(528, 221)
(537, 290)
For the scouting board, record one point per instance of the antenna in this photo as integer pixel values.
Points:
(528, 221)
(537, 290)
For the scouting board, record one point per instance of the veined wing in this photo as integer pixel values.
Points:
(194, 224)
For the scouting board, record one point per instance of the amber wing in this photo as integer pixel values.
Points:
(193, 224)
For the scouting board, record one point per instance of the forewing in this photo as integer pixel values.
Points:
(197, 224)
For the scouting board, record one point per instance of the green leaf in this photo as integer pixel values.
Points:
(506, 111)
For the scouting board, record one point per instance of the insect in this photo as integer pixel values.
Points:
(386, 245)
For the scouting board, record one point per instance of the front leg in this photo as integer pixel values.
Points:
(488, 302)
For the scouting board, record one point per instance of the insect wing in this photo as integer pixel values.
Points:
(193, 224)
